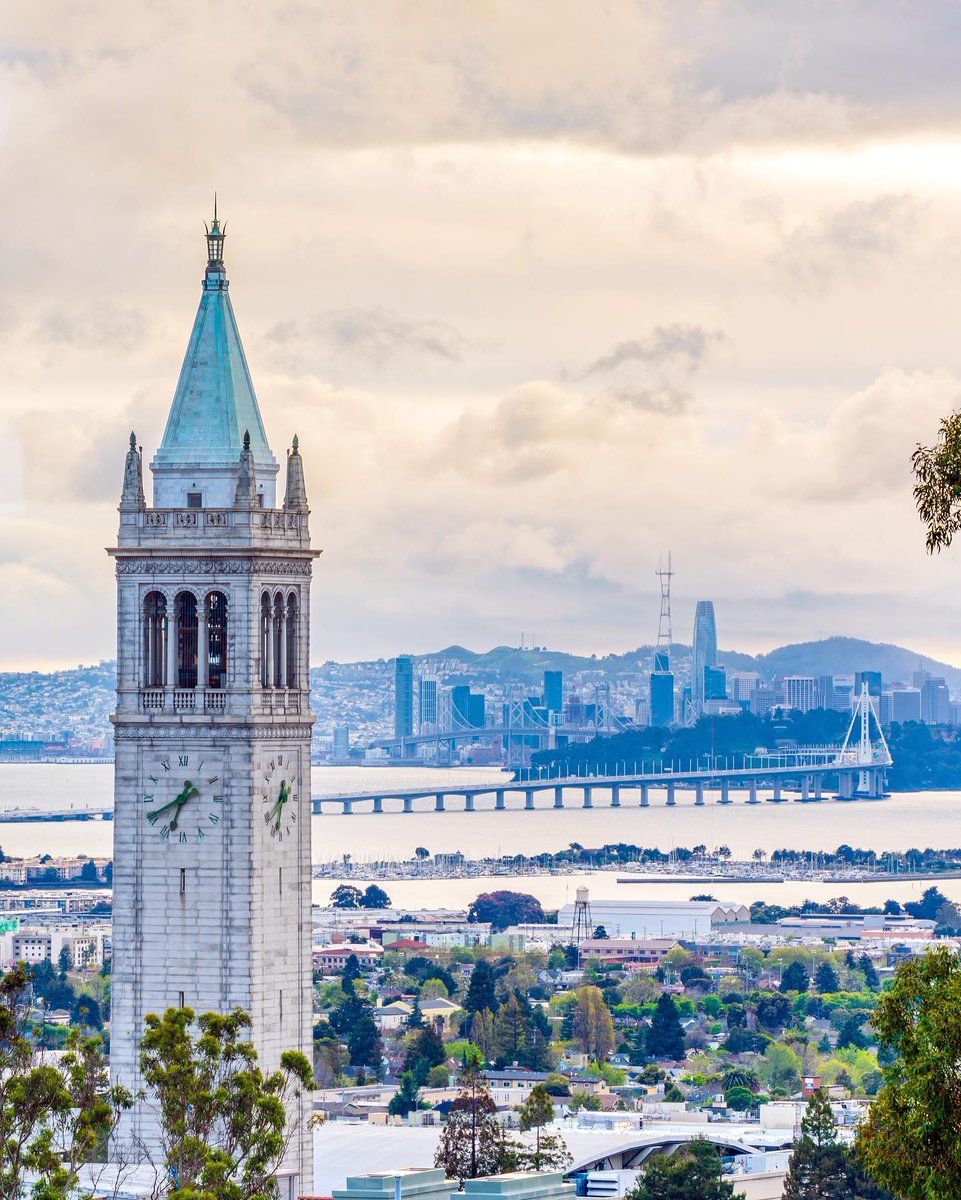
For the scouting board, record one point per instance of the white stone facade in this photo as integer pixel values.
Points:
(212, 862)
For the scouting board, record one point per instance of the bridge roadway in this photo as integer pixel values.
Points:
(809, 777)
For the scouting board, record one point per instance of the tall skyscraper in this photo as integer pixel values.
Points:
(554, 691)
(704, 652)
(427, 706)
(403, 696)
(212, 778)
(800, 692)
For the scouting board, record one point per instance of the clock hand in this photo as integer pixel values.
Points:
(187, 794)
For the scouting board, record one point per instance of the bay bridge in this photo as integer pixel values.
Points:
(858, 767)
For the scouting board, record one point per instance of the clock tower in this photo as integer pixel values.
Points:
(212, 866)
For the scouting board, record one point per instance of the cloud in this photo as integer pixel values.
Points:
(373, 336)
(662, 398)
(681, 346)
(847, 241)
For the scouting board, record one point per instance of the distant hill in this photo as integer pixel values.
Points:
(844, 656)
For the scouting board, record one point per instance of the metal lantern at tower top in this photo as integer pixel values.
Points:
(215, 241)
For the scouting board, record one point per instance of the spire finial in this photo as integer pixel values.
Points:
(215, 206)
(133, 440)
(296, 442)
(132, 498)
(215, 246)
(296, 498)
(246, 493)
(246, 439)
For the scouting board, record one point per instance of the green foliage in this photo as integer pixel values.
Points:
(407, 1097)
(795, 978)
(740, 1099)
(781, 1068)
(375, 897)
(549, 1151)
(937, 487)
(345, 895)
(593, 1027)
(52, 1119)
(223, 1121)
(822, 1169)
(504, 908)
(665, 1037)
(694, 1172)
(482, 989)
(826, 978)
(424, 1051)
(911, 1140)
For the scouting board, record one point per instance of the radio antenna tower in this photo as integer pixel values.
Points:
(581, 926)
(664, 633)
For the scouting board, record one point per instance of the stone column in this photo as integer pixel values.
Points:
(283, 647)
(202, 647)
(171, 647)
(148, 677)
(270, 647)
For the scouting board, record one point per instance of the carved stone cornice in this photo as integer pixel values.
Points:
(214, 566)
(208, 733)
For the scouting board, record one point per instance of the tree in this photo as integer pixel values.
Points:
(549, 1152)
(870, 973)
(600, 933)
(481, 990)
(820, 1168)
(53, 1120)
(375, 897)
(354, 1021)
(425, 1050)
(937, 488)
(504, 908)
(510, 1032)
(422, 852)
(224, 1125)
(472, 1143)
(850, 1033)
(665, 1037)
(345, 895)
(781, 1067)
(826, 978)
(740, 1099)
(482, 1033)
(407, 1097)
(911, 1140)
(795, 978)
(593, 1025)
(88, 872)
(693, 1172)
(773, 1010)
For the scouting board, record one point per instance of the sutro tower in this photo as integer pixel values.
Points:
(662, 677)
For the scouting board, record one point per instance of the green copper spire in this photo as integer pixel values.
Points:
(215, 400)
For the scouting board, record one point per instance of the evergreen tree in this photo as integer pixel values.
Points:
(826, 978)
(510, 1032)
(472, 1143)
(425, 1050)
(850, 1033)
(354, 1021)
(693, 1172)
(549, 1152)
(407, 1097)
(482, 1033)
(870, 973)
(820, 1168)
(795, 978)
(665, 1037)
(481, 992)
(416, 1018)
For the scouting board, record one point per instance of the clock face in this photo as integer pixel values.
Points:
(183, 796)
(279, 787)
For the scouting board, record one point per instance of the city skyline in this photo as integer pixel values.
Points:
(692, 261)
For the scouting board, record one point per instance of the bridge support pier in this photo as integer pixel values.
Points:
(408, 804)
(347, 808)
(616, 796)
(529, 799)
(468, 804)
(777, 792)
(317, 807)
(816, 784)
(439, 802)
(558, 797)
(671, 801)
(725, 792)
(805, 795)
(752, 795)
(699, 793)
(645, 798)
(378, 804)
(845, 786)
(588, 797)
(499, 798)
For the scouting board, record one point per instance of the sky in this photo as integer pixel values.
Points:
(546, 290)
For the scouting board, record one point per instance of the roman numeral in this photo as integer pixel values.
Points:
(183, 835)
(166, 764)
(146, 798)
(213, 779)
(182, 760)
(213, 818)
(165, 832)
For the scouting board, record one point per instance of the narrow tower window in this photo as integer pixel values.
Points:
(186, 604)
(183, 881)
(291, 680)
(216, 640)
(194, 500)
(154, 638)
(266, 642)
